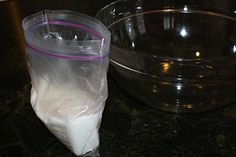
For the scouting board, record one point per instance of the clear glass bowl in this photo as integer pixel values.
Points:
(177, 56)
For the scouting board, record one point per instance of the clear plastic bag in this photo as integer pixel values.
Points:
(68, 59)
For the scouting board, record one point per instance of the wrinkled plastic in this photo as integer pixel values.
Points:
(68, 60)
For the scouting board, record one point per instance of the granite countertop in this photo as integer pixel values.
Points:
(128, 127)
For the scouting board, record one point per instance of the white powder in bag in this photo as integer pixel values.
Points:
(67, 115)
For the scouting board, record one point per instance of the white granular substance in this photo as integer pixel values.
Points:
(66, 114)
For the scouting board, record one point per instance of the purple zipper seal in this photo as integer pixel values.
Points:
(66, 57)
(61, 56)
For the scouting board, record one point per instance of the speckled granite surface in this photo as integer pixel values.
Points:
(128, 128)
